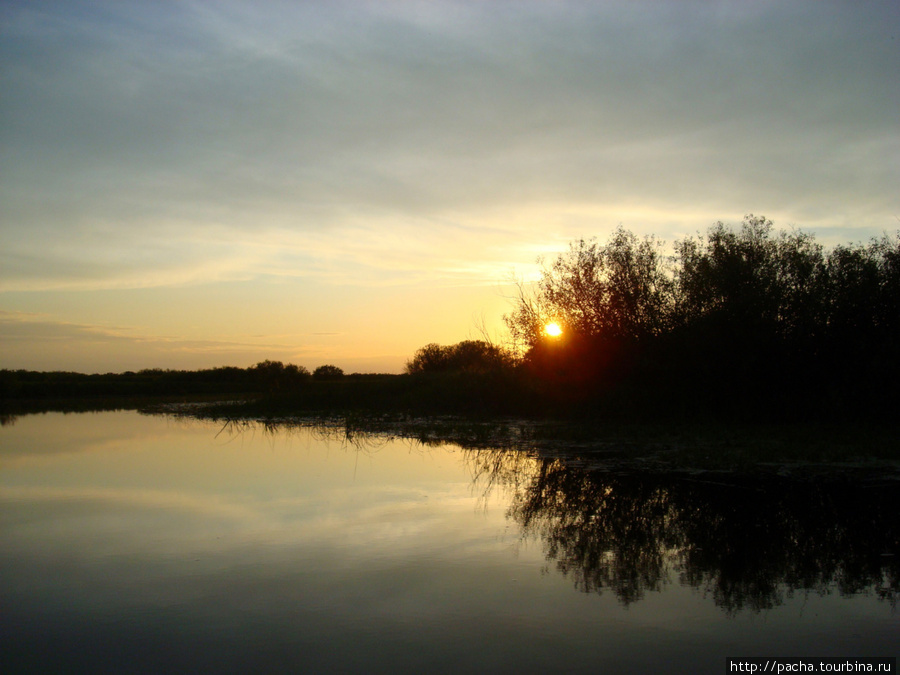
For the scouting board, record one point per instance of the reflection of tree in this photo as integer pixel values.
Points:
(599, 534)
(751, 546)
(747, 543)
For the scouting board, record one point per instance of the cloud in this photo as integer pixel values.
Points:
(24, 327)
(28, 340)
(150, 144)
(365, 169)
(44, 342)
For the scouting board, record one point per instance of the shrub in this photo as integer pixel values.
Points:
(466, 356)
(328, 372)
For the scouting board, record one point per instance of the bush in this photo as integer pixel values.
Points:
(275, 377)
(467, 356)
(328, 372)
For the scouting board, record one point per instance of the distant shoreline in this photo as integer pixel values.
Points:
(839, 448)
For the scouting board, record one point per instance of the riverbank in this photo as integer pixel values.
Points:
(848, 450)
(491, 410)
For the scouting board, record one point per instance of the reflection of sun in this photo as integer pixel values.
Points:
(552, 329)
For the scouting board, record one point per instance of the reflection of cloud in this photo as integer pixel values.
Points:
(389, 520)
(79, 502)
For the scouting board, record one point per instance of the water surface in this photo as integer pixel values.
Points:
(155, 544)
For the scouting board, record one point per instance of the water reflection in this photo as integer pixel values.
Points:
(136, 543)
(746, 542)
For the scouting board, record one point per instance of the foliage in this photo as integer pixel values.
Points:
(469, 356)
(750, 279)
(328, 372)
(621, 290)
(745, 320)
(274, 376)
(264, 377)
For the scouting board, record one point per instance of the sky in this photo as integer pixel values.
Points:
(192, 184)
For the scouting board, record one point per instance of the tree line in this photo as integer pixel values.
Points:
(267, 377)
(748, 322)
(745, 319)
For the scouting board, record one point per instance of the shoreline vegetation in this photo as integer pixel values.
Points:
(742, 337)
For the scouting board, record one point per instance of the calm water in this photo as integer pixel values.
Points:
(133, 543)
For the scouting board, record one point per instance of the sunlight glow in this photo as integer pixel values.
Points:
(552, 329)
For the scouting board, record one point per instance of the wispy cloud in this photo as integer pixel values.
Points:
(29, 337)
(383, 145)
(133, 131)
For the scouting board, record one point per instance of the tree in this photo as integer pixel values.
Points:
(328, 372)
(740, 319)
(274, 376)
(862, 319)
(621, 291)
(751, 280)
(467, 356)
(612, 302)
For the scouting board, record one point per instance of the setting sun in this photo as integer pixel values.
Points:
(552, 329)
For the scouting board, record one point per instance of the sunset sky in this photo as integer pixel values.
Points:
(205, 183)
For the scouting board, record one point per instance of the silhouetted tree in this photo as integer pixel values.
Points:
(743, 319)
(621, 290)
(328, 372)
(472, 356)
(862, 328)
(749, 312)
(750, 279)
(275, 377)
(612, 301)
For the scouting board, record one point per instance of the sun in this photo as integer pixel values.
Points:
(552, 329)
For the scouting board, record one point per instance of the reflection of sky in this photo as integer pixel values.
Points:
(148, 532)
(165, 484)
(214, 183)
